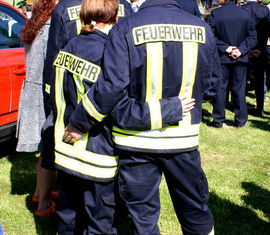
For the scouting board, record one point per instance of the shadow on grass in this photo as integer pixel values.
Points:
(234, 219)
(263, 125)
(257, 197)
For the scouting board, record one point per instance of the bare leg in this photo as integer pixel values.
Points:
(47, 179)
(36, 192)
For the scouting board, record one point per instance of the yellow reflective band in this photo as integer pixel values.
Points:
(87, 104)
(78, 26)
(154, 71)
(85, 169)
(155, 114)
(60, 104)
(190, 56)
(85, 155)
(173, 137)
(121, 10)
(74, 12)
(78, 66)
(171, 131)
(156, 143)
(47, 88)
(168, 33)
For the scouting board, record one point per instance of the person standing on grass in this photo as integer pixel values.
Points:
(160, 52)
(31, 116)
(88, 167)
(260, 16)
(236, 35)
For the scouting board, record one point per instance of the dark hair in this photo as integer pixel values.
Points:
(42, 11)
(100, 11)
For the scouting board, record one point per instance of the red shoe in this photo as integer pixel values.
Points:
(54, 195)
(50, 210)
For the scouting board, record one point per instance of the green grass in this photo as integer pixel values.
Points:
(236, 162)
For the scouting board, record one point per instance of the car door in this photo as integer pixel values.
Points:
(12, 63)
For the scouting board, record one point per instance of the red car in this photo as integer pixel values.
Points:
(12, 67)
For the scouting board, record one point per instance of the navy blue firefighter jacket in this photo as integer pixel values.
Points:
(158, 53)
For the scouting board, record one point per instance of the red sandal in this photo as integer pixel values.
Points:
(54, 195)
(50, 210)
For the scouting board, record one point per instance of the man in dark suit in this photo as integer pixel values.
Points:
(260, 16)
(190, 6)
(236, 35)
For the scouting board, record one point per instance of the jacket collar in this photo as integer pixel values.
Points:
(150, 3)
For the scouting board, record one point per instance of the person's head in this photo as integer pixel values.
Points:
(41, 12)
(98, 11)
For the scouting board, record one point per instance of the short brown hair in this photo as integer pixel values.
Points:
(100, 11)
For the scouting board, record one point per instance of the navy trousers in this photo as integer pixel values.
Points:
(84, 207)
(139, 178)
(259, 68)
(236, 73)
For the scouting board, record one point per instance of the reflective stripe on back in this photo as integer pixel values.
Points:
(154, 76)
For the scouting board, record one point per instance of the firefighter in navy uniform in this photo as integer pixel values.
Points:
(86, 201)
(66, 24)
(160, 52)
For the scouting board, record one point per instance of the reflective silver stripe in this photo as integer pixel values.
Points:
(154, 71)
(154, 76)
(87, 104)
(176, 137)
(172, 131)
(155, 114)
(85, 169)
(85, 155)
(60, 104)
(80, 87)
(156, 143)
(190, 56)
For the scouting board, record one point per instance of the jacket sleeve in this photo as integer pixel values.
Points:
(55, 42)
(111, 88)
(129, 114)
(250, 40)
(221, 45)
(213, 83)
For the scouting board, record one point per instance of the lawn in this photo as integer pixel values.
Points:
(236, 162)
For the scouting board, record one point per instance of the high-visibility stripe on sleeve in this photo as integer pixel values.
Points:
(154, 71)
(87, 104)
(155, 114)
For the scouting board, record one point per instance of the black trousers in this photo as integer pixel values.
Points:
(84, 207)
(139, 178)
(237, 74)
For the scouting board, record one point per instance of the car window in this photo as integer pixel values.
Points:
(10, 26)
